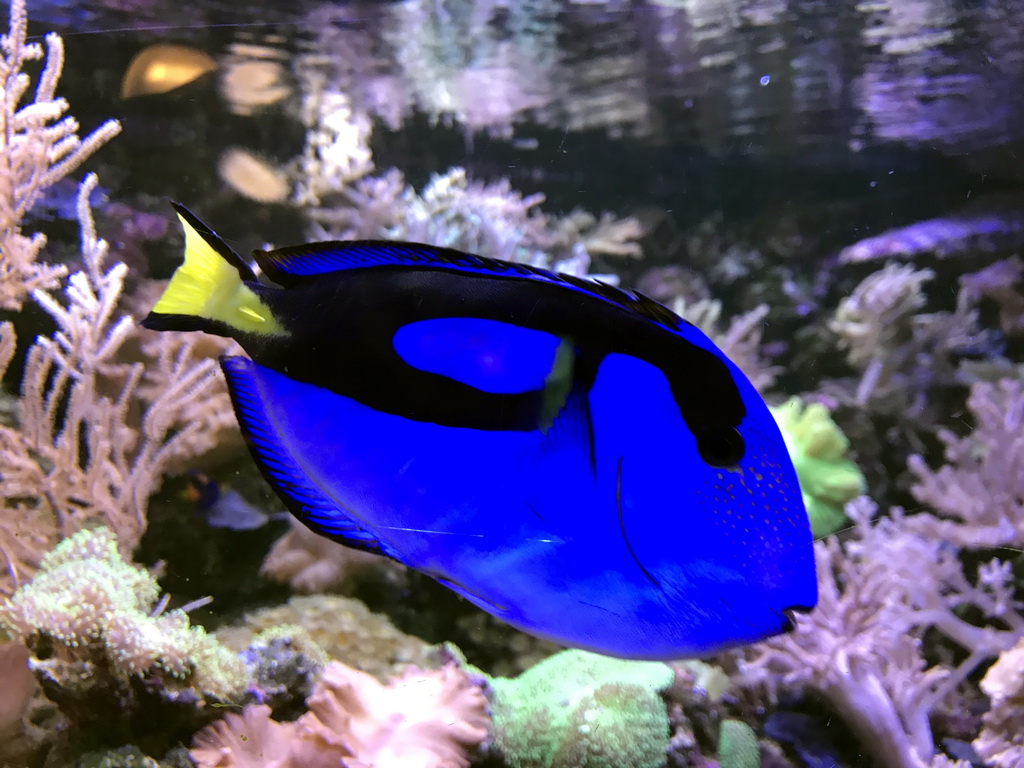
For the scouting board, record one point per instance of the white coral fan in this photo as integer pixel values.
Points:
(423, 719)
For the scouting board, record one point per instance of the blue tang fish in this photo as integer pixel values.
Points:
(572, 458)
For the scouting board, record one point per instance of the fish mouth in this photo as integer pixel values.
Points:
(789, 616)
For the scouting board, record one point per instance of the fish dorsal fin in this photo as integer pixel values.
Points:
(288, 266)
(293, 265)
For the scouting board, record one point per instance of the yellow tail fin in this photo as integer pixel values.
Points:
(211, 286)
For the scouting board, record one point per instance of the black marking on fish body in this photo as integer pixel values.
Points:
(496, 608)
(159, 321)
(341, 327)
(622, 524)
(604, 608)
(294, 265)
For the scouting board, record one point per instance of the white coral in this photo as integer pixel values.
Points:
(39, 145)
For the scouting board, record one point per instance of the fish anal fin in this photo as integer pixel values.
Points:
(300, 494)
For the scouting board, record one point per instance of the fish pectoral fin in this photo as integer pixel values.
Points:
(304, 499)
(572, 429)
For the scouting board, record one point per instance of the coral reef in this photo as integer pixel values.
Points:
(343, 201)
(75, 458)
(1001, 741)
(104, 649)
(455, 212)
(420, 720)
(907, 357)
(979, 492)
(580, 710)
(918, 361)
(311, 563)
(343, 627)
(92, 621)
(819, 450)
(862, 648)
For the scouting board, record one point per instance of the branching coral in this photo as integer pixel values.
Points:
(421, 720)
(489, 219)
(900, 352)
(980, 490)
(1001, 742)
(75, 460)
(875, 323)
(861, 648)
(39, 145)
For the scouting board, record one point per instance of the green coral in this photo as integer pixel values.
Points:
(581, 710)
(132, 757)
(737, 745)
(818, 449)
(90, 619)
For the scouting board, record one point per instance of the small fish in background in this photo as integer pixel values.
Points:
(223, 507)
(572, 458)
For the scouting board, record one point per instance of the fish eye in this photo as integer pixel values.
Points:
(721, 446)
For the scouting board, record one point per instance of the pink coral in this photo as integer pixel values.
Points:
(423, 719)
(19, 685)
(248, 740)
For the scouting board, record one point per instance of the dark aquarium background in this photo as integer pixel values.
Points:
(832, 191)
